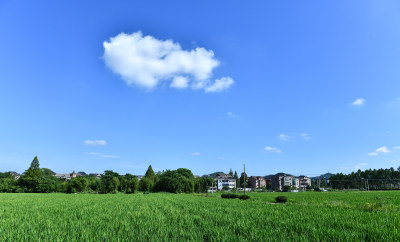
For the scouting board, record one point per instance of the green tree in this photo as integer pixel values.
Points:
(30, 180)
(231, 172)
(145, 184)
(150, 173)
(130, 183)
(176, 181)
(109, 182)
(237, 179)
(34, 169)
(243, 179)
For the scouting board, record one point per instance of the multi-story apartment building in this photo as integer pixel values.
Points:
(304, 182)
(279, 180)
(257, 182)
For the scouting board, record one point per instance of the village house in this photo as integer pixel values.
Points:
(279, 180)
(304, 182)
(257, 182)
(225, 180)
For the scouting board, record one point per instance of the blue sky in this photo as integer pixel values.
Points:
(293, 87)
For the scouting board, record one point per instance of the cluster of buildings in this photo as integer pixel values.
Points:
(279, 182)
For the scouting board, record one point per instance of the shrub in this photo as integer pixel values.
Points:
(371, 207)
(229, 195)
(281, 199)
(244, 197)
(317, 189)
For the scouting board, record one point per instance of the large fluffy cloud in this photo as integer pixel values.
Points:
(146, 61)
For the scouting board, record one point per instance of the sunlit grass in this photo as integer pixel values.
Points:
(154, 217)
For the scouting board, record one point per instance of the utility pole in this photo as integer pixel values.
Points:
(244, 178)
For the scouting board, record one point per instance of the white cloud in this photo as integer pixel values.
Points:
(305, 136)
(195, 154)
(231, 115)
(101, 155)
(180, 82)
(358, 102)
(395, 161)
(272, 149)
(110, 156)
(396, 147)
(360, 165)
(284, 137)
(95, 142)
(219, 85)
(382, 149)
(146, 61)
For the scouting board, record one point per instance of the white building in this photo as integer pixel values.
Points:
(225, 180)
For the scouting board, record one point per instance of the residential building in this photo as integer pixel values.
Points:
(304, 182)
(257, 182)
(65, 176)
(81, 173)
(97, 175)
(15, 175)
(279, 180)
(225, 180)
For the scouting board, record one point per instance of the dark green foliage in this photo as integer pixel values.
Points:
(145, 184)
(225, 188)
(8, 184)
(202, 184)
(244, 197)
(317, 189)
(229, 195)
(150, 173)
(243, 180)
(237, 179)
(281, 199)
(378, 179)
(175, 181)
(109, 182)
(286, 188)
(77, 184)
(129, 183)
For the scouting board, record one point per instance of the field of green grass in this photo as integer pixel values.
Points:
(328, 216)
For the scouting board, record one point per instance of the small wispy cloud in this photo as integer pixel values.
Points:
(95, 142)
(195, 154)
(396, 147)
(101, 155)
(358, 102)
(382, 149)
(360, 166)
(305, 136)
(272, 149)
(110, 156)
(395, 161)
(231, 115)
(284, 137)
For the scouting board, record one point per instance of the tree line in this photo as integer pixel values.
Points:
(41, 180)
(376, 179)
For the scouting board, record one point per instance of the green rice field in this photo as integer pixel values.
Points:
(327, 216)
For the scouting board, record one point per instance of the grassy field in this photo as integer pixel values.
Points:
(153, 217)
